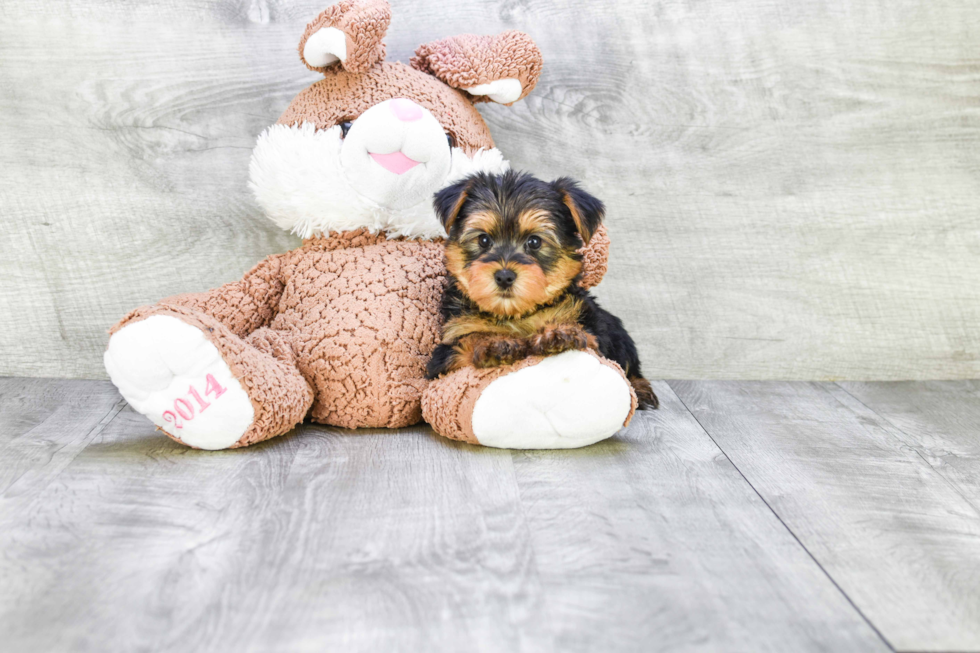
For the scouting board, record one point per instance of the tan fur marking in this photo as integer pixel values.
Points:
(482, 222)
(457, 207)
(561, 276)
(481, 286)
(536, 221)
(565, 312)
(577, 218)
(464, 325)
(526, 293)
(456, 264)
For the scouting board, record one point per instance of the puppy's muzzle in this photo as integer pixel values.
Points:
(505, 278)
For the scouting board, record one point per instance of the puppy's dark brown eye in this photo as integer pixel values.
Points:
(484, 241)
(451, 139)
(534, 243)
(344, 128)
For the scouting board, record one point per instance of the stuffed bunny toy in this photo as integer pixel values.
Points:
(339, 330)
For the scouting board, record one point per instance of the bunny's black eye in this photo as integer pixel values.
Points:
(534, 243)
(344, 128)
(484, 241)
(451, 139)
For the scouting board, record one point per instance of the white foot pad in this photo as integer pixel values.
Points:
(167, 370)
(565, 401)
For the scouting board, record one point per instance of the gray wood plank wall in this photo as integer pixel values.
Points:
(793, 186)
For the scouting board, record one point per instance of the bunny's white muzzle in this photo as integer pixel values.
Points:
(396, 154)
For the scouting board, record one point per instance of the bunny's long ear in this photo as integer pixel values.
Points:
(348, 34)
(502, 68)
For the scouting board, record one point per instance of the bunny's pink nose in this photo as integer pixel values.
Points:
(405, 110)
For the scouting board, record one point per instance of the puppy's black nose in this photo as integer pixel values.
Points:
(505, 278)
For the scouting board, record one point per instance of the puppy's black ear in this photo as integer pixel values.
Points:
(587, 211)
(449, 202)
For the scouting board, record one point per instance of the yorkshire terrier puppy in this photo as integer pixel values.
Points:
(513, 260)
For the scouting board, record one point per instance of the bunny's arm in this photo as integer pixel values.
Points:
(242, 306)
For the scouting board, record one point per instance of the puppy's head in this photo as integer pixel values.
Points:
(513, 239)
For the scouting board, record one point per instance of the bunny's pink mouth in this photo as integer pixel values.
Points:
(395, 162)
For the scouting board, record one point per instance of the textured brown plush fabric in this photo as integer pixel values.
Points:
(363, 22)
(595, 258)
(350, 319)
(341, 96)
(361, 319)
(279, 394)
(468, 60)
(242, 306)
(448, 402)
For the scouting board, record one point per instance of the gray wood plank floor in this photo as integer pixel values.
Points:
(740, 517)
(896, 537)
(939, 420)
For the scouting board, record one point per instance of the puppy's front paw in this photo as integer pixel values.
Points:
(498, 351)
(564, 337)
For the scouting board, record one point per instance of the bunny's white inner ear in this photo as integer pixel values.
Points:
(503, 91)
(325, 47)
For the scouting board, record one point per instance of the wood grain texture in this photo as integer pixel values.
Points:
(939, 420)
(402, 541)
(653, 541)
(791, 185)
(44, 424)
(896, 536)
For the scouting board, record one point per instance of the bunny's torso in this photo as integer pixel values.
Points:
(361, 314)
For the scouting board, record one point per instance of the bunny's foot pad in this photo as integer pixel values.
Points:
(566, 401)
(169, 371)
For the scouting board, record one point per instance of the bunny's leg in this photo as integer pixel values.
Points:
(560, 402)
(201, 383)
